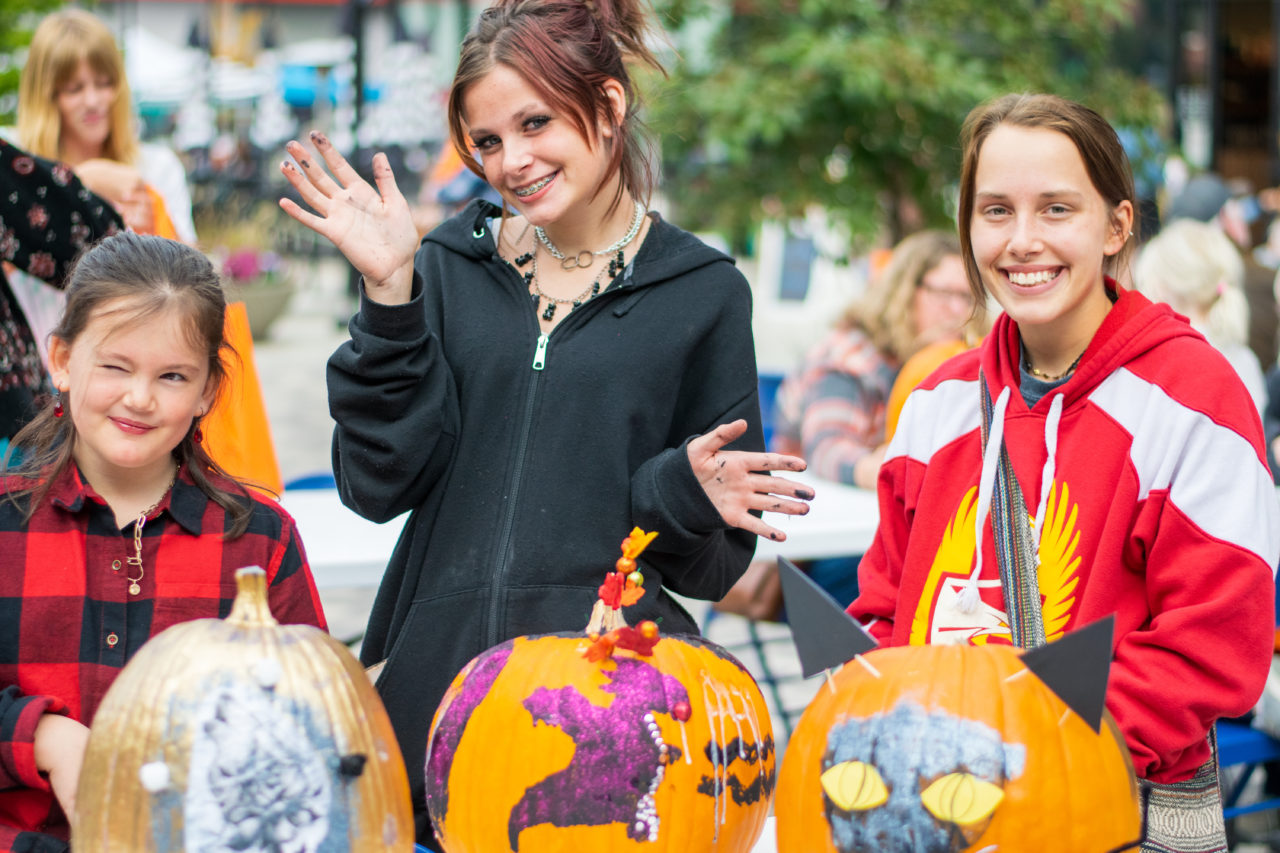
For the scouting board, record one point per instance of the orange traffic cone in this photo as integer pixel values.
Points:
(236, 432)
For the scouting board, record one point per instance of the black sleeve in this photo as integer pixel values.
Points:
(392, 395)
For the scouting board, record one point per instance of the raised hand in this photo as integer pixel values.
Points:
(373, 228)
(730, 480)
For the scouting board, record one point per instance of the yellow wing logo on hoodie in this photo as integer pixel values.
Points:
(954, 558)
(936, 618)
(1059, 572)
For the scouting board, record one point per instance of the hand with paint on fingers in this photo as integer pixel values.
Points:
(733, 482)
(373, 228)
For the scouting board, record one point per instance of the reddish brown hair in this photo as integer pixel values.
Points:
(566, 51)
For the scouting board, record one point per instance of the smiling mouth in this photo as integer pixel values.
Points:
(525, 192)
(1029, 279)
(131, 426)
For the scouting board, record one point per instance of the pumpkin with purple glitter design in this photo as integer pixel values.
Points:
(583, 741)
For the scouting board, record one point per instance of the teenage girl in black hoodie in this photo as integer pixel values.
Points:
(536, 380)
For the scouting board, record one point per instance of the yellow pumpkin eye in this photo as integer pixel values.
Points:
(961, 798)
(855, 786)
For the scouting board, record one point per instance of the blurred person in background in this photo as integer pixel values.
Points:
(1208, 198)
(74, 106)
(49, 218)
(1195, 269)
(831, 410)
(834, 409)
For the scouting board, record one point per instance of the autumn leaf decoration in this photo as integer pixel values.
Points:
(621, 588)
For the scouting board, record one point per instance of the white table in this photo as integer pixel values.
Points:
(346, 550)
(842, 520)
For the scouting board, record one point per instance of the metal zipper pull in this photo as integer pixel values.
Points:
(540, 356)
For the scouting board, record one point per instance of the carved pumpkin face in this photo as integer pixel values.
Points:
(950, 748)
(536, 748)
(241, 734)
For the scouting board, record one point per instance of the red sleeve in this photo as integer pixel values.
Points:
(1205, 653)
(292, 594)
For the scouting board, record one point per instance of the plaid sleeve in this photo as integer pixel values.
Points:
(293, 596)
(840, 424)
(13, 840)
(18, 718)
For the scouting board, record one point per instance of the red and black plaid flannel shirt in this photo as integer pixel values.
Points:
(68, 623)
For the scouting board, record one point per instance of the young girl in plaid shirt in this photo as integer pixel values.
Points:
(117, 524)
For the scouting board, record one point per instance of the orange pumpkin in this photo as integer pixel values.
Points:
(617, 740)
(924, 749)
(242, 734)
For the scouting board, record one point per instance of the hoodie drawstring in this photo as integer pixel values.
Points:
(968, 601)
(969, 598)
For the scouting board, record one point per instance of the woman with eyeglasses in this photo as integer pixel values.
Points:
(831, 410)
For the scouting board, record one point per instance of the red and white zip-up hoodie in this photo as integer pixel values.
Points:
(1158, 507)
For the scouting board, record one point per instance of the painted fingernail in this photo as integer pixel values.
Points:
(773, 536)
(804, 494)
(286, 165)
(306, 164)
(319, 137)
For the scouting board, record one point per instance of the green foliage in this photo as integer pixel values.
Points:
(17, 19)
(856, 105)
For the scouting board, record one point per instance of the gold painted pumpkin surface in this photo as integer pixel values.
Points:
(951, 748)
(242, 734)
(536, 748)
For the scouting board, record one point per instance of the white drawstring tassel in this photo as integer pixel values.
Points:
(969, 599)
(1050, 462)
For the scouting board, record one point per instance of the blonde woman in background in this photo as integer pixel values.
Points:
(74, 106)
(1195, 269)
(831, 410)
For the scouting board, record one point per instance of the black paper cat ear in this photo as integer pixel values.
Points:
(1076, 667)
(825, 635)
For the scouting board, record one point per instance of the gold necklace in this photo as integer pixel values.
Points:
(1047, 377)
(138, 524)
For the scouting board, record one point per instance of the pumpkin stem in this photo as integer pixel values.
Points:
(250, 606)
(621, 588)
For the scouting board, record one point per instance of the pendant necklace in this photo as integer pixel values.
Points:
(586, 257)
(136, 560)
(616, 265)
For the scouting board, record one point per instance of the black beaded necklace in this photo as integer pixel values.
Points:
(615, 266)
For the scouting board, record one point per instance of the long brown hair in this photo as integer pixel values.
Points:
(1104, 160)
(566, 50)
(151, 276)
(62, 41)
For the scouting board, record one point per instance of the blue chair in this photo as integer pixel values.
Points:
(1241, 745)
(768, 384)
(317, 480)
(418, 848)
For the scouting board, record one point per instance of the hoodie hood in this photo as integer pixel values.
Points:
(667, 251)
(1134, 325)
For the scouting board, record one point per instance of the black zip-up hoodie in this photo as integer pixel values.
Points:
(526, 459)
